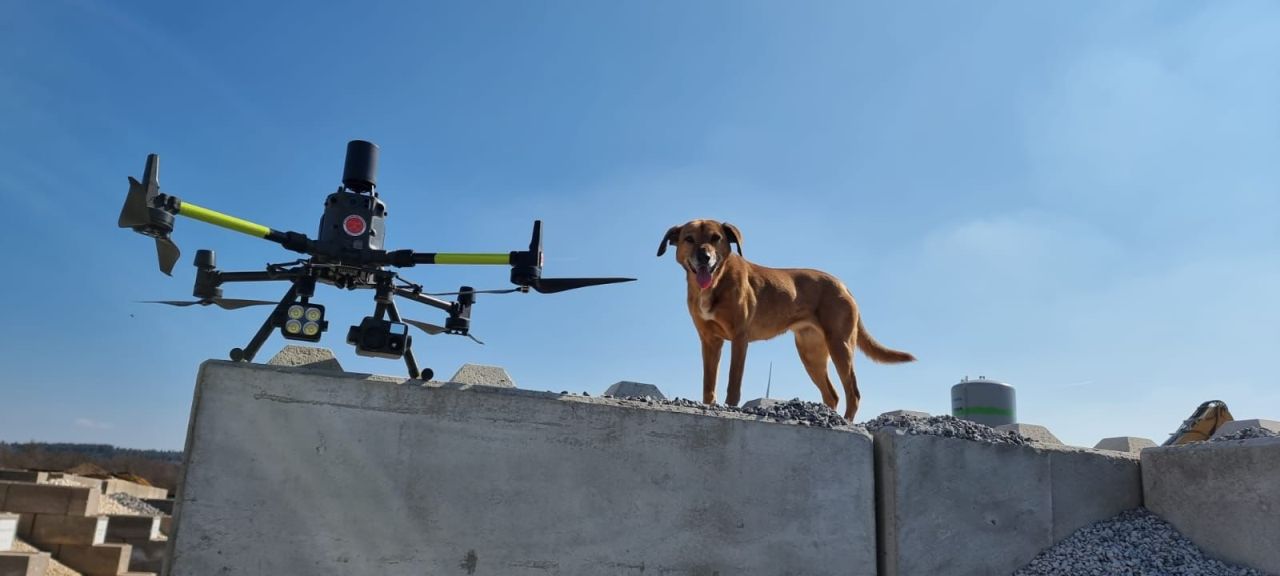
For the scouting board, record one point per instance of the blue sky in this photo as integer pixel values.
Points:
(1079, 199)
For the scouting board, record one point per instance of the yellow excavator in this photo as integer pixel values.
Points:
(1206, 420)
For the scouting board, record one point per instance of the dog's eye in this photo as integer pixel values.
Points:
(688, 239)
(715, 239)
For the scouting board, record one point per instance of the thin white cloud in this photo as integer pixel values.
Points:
(91, 424)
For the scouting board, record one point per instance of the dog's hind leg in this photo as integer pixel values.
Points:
(737, 363)
(812, 346)
(841, 351)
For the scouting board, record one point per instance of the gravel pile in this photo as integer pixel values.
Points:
(793, 411)
(948, 426)
(1134, 542)
(1247, 434)
(121, 504)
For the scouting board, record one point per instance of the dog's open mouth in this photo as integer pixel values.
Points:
(703, 273)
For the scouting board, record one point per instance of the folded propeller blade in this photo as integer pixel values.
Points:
(167, 252)
(224, 303)
(553, 285)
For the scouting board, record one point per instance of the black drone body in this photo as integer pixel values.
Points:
(348, 252)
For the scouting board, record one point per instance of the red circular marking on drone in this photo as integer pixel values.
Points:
(353, 225)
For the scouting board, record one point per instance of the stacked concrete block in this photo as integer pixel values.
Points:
(1223, 495)
(956, 506)
(51, 530)
(116, 485)
(95, 560)
(24, 498)
(24, 563)
(14, 475)
(132, 528)
(388, 478)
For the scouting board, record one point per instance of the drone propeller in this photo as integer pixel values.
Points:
(553, 285)
(142, 215)
(432, 329)
(224, 303)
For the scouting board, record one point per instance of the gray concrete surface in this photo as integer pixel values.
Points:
(308, 473)
(1035, 432)
(957, 507)
(627, 388)
(482, 375)
(1130, 444)
(1224, 496)
(1238, 425)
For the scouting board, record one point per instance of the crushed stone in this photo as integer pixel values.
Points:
(1134, 542)
(946, 426)
(122, 504)
(794, 411)
(1250, 433)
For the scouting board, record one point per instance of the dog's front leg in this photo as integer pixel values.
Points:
(737, 360)
(711, 347)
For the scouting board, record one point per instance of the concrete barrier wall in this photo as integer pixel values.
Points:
(1224, 496)
(957, 507)
(293, 471)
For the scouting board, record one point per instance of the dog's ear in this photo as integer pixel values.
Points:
(732, 234)
(670, 238)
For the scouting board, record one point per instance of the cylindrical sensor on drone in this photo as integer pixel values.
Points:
(360, 171)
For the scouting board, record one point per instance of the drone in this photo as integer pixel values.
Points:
(348, 253)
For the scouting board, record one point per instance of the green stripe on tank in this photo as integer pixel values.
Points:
(984, 410)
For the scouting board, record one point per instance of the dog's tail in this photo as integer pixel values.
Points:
(879, 352)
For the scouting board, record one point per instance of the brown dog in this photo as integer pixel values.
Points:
(739, 301)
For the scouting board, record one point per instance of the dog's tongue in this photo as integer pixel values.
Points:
(704, 278)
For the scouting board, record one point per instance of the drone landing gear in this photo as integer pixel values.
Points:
(409, 361)
(247, 353)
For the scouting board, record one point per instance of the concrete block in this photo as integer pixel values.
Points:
(911, 413)
(114, 485)
(8, 531)
(1035, 432)
(16, 475)
(1130, 444)
(166, 525)
(761, 402)
(1224, 496)
(306, 357)
(48, 530)
(951, 506)
(49, 499)
(626, 388)
(162, 504)
(481, 375)
(148, 555)
(1238, 425)
(95, 560)
(124, 528)
(399, 479)
(24, 563)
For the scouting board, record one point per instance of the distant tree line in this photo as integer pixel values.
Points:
(158, 467)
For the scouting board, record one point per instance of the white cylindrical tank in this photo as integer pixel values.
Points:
(984, 401)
